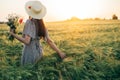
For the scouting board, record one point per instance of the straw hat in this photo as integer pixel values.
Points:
(35, 9)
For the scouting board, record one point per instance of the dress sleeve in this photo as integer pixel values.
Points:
(29, 29)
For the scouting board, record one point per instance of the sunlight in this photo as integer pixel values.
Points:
(65, 9)
(79, 8)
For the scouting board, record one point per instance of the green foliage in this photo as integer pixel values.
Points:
(92, 50)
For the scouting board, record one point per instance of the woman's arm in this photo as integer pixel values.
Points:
(54, 47)
(25, 40)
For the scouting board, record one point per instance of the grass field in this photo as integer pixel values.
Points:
(92, 49)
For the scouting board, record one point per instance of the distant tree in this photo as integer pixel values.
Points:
(2, 22)
(97, 18)
(74, 18)
(114, 17)
(88, 19)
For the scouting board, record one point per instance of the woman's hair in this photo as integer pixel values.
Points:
(40, 27)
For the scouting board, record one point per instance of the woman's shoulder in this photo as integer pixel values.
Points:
(28, 21)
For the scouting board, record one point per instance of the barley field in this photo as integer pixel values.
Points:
(92, 48)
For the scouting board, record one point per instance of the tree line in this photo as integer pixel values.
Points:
(114, 17)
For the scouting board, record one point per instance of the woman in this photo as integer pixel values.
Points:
(33, 31)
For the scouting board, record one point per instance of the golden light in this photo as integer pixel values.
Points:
(65, 9)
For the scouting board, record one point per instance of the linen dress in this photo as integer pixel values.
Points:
(32, 52)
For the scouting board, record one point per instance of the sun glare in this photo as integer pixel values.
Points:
(79, 8)
(65, 9)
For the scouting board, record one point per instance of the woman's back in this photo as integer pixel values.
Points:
(33, 51)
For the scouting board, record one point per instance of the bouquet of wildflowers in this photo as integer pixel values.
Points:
(13, 21)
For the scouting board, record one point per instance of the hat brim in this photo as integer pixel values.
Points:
(34, 15)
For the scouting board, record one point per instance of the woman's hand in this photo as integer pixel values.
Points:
(62, 55)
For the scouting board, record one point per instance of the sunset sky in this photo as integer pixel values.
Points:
(64, 9)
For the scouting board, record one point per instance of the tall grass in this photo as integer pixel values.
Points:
(92, 49)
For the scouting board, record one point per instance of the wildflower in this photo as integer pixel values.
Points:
(13, 22)
(20, 20)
